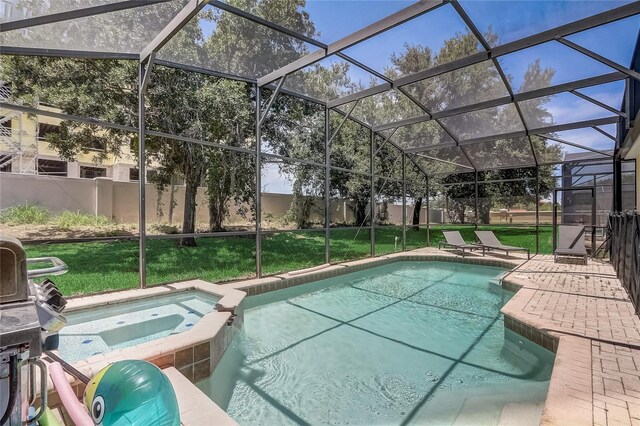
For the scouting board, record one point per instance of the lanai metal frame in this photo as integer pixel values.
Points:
(275, 82)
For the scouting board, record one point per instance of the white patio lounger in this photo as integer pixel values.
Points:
(570, 242)
(455, 240)
(489, 241)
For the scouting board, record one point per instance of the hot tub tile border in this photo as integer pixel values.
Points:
(195, 352)
(538, 337)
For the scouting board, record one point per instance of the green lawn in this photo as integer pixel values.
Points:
(101, 266)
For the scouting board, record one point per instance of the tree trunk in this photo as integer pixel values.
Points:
(172, 198)
(192, 181)
(484, 213)
(417, 207)
(301, 206)
(159, 212)
(217, 212)
(361, 212)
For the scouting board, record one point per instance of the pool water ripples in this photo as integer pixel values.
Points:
(409, 342)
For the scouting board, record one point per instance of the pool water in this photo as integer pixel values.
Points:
(406, 343)
(100, 330)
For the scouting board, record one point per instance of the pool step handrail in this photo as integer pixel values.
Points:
(58, 268)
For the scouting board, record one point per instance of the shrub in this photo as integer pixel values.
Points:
(68, 220)
(24, 215)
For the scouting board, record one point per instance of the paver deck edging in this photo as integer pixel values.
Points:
(584, 315)
(281, 281)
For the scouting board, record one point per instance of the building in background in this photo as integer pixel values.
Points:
(11, 10)
(24, 149)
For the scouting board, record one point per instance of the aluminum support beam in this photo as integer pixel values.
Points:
(204, 71)
(599, 130)
(258, 187)
(364, 67)
(548, 129)
(417, 165)
(603, 18)
(598, 103)
(258, 20)
(148, 72)
(627, 106)
(142, 211)
(537, 209)
(532, 132)
(372, 208)
(190, 10)
(363, 34)
(445, 161)
(428, 214)
(74, 14)
(327, 189)
(344, 120)
(272, 99)
(384, 142)
(599, 58)
(198, 141)
(517, 97)
(375, 90)
(533, 150)
(65, 53)
(404, 202)
(61, 116)
(469, 22)
(575, 125)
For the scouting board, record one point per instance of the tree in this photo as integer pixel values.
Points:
(416, 190)
(180, 103)
(466, 86)
(350, 150)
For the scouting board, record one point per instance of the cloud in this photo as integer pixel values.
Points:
(569, 108)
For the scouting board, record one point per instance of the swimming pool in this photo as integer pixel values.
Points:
(409, 342)
(103, 329)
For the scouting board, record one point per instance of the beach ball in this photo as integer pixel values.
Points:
(131, 392)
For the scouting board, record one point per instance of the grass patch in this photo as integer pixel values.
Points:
(35, 215)
(349, 244)
(101, 266)
(25, 215)
(68, 220)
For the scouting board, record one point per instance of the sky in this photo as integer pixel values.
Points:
(510, 20)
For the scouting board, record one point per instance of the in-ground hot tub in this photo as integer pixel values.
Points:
(102, 329)
(408, 342)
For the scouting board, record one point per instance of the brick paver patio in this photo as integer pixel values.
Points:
(585, 309)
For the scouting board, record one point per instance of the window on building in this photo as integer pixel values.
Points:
(134, 174)
(45, 130)
(12, 11)
(87, 172)
(52, 167)
(5, 163)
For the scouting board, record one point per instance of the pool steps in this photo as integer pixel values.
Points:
(196, 408)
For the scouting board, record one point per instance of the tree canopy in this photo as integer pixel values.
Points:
(222, 111)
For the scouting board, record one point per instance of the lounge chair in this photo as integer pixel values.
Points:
(570, 242)
(490, 242)
(455, 240)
